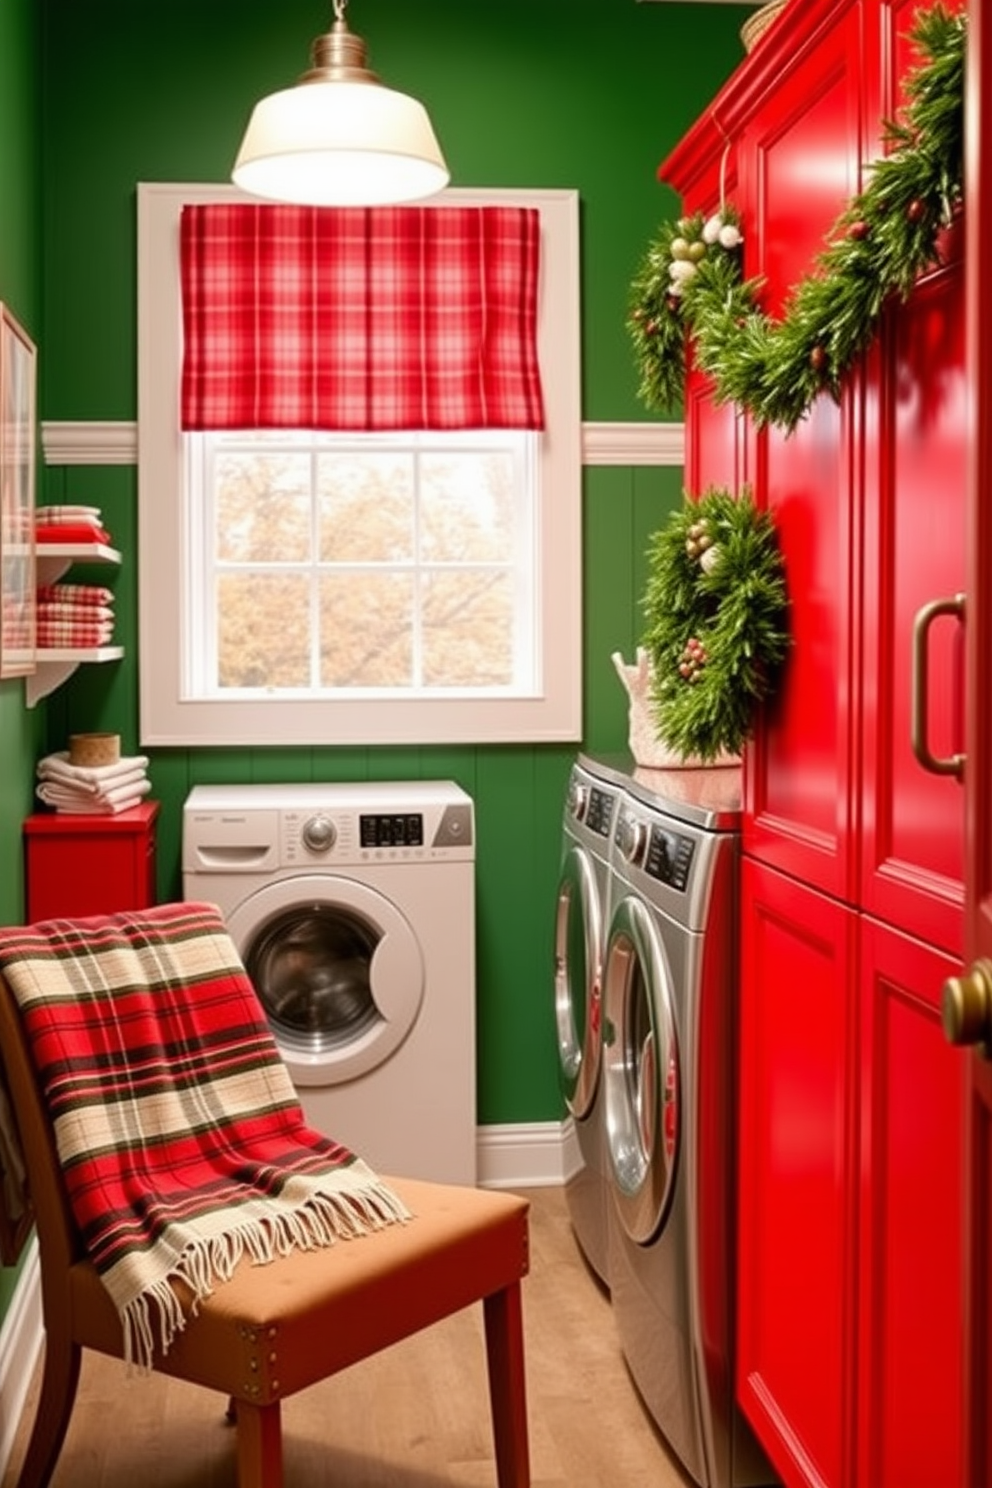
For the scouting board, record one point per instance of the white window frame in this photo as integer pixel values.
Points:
(166, 718)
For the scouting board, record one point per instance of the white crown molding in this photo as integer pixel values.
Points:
(102, 442)
(116, 443)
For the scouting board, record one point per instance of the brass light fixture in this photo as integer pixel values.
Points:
(339, 137)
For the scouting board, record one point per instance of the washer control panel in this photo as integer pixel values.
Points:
(253, 829)
(599, 815)
(669, 857)
(591, 805)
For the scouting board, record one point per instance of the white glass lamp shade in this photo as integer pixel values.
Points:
(340, 144)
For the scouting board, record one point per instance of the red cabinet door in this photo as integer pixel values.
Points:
(801, 156)
(797, 1145)
(912, 829)
(910, 1295)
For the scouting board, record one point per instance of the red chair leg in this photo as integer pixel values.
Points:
(507, 1386)
(259, 1446)
(60, 1376)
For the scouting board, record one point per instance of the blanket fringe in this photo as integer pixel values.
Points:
(322, 1218)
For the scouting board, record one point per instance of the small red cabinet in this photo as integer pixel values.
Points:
(88, 865)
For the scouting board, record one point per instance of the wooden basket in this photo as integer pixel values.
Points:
(94, 749)
(757, 24)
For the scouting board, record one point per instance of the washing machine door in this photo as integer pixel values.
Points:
(578, 964)
(338, 969)
(641, 1072)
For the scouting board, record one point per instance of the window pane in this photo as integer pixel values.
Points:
(467, 507)
(468, 629)
(263, 507)
(366, 508)
(263, 627)
(366, 630)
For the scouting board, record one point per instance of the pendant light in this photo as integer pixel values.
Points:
(339, 137)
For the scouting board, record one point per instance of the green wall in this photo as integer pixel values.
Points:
(586, 94)
(20, 288)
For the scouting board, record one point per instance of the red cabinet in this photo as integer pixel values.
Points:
(88, 865)
(850, 1319)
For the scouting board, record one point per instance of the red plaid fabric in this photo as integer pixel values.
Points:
(90, 596)
(73, 631)
(360, 319)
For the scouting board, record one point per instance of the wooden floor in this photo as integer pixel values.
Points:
(416, 1416)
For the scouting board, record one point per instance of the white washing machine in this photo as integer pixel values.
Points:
(669, 1061)
(581, 918)
(353, 909)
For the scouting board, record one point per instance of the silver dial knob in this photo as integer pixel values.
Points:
(630, 837)
(320, 834)
(578, 801)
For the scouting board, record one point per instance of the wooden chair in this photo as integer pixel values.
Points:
(275, 1329)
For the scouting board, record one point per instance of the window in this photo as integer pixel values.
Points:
(301, 588)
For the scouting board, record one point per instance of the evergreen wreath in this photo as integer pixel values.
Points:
(716, 607)
(690, 282)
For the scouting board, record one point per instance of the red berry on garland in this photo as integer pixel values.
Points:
(818, 358)
(858, 231)
(650, 327)
(916, 210)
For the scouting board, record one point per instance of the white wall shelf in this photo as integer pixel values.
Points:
(53, 559)
(56, 665)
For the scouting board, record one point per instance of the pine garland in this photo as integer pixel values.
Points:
(884, 239)
(716, 607)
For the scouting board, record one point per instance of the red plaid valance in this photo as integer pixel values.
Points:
(360, 318)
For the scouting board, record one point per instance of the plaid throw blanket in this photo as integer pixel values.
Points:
(183, 1144)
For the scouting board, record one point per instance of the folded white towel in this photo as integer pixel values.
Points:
(64, 798)
(95, 808)
(93, 777)
(86, 792)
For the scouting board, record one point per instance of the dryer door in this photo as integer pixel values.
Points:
(338, 969)
(640, 1071)
(578, 965)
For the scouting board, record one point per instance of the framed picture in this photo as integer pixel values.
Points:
(17, 477)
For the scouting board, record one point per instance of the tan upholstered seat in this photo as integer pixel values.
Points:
(275, 1329)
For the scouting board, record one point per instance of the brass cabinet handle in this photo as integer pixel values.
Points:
(954, 764)
(966, 1007)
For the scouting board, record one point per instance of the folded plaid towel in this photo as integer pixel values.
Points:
(75, 594)
(64, 610)
(71, 634)
(183, 1144)
(65, 513)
